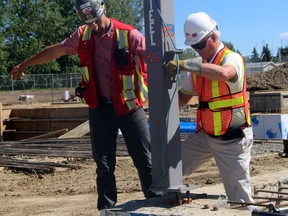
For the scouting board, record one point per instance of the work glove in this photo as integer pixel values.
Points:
(79, 91)
(171, 67)
(193, 65)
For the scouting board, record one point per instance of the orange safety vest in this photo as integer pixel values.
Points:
(129, 72)
(216, 102)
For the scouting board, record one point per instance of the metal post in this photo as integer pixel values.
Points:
(163, 96)
(34, 81)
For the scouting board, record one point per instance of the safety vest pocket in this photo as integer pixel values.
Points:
(123, 59)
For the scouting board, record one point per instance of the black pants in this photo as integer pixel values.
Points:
(104, 125)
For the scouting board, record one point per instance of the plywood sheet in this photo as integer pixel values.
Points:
(79, 131)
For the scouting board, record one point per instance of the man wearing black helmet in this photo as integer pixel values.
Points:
(114, 85)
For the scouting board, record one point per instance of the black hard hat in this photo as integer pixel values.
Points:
(89, 11)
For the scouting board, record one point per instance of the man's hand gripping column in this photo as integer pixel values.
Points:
(193, 65)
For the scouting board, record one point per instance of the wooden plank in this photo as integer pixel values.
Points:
(47, 152)
(79, 131)
(5, 162)
(48, 135)
(60, 146)
(19, 119)
(24, 150)
(52, 141)
(6, 114)
(55, 153)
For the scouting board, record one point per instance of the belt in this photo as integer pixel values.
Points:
(233, 133)
(102, 99)
(203, 105)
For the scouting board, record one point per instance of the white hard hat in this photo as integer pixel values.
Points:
(197, 26)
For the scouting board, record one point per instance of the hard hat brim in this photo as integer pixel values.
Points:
(191, 42)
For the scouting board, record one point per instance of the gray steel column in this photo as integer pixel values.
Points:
(163, 95)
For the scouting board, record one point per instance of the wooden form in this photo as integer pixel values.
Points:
(4, 115)
(48, 135)
(269, 102)
(22, 123)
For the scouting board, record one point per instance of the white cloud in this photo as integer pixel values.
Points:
(284, 35)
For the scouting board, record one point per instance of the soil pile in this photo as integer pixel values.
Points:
(274, 79)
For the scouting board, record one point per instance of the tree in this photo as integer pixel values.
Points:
(238, 51)
(27, 26)
(128, 11)
(187, 53)
(229, 45)
(283, 51)
(3, 51)
(255, 56)
(32, 26)
(266, 54)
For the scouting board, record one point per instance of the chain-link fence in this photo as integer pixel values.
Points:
(40, 81)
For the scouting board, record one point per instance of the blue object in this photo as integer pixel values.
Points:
(185, 127)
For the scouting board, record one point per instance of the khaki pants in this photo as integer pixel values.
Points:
(232, 159)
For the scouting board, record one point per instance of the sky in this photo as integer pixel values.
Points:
(246, 23)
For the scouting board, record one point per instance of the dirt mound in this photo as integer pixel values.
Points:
(274, 79)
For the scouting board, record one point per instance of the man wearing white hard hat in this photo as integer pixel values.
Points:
(223, 127)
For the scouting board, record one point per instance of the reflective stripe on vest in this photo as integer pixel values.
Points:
(85, 73)
(86, 36)
(87, 33)
(224, 104)
(215, 94)
(142, 86)
(122, 39)
(128, 90)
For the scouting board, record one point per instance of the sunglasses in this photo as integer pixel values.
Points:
(201, 45)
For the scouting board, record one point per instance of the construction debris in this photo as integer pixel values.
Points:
(274, 79)
(26, 97)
